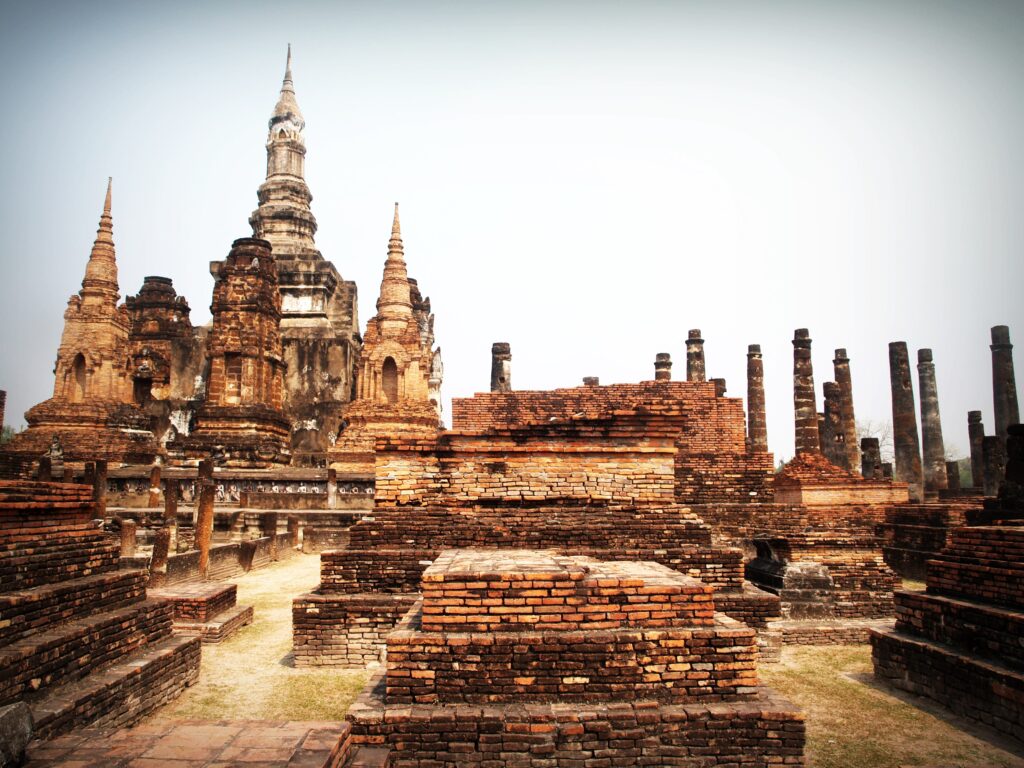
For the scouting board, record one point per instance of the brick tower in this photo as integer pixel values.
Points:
(241, 422)
(399, 373)
(90, 413)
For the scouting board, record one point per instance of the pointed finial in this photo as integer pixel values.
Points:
(106, 203)
(395, 248)
(396, 228)
(288, 84)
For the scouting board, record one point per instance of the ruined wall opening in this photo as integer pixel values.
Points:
(389, 380)
(142, 391)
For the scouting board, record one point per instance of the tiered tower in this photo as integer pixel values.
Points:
(399, 372)
(90, 413)
(319, 320)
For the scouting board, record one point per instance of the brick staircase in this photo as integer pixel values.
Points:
(207, 609)
(80, 642)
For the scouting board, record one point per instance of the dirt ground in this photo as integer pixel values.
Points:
(852, 722)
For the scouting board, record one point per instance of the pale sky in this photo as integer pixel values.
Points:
(584, 180)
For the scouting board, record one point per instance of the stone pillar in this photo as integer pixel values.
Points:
(904, 422)
(975, 434)
(833, 440)
(154, 487)
(45, 473)
(993, 449)
(848, 421)
(887, 470)
(332, 488)
(69, 474)
(1004, 386)
(293, 531)
(720, 389)
(501, 367)
(953, 475)
(757, 422)
(805, 406)
(870, 459)
(99, 488)
(663, 366)
(591, 381)
(931, 425)
(161, 551)
(204, 525)
(128, 539)
(694, 356)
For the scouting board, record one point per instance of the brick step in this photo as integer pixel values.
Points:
(991, 581)
(55, 559)
(219, 627)
(122, 693)
(73, 649)
(38, 608)
(828, 632)
(986, 631)
(970, 686)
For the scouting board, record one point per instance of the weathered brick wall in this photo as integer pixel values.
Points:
(984, 563)
(347, 631)
(383, 570)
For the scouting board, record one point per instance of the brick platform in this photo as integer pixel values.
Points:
(599, 686)
(80, 642)
(914, 533)
(202, 744)
(207, 609)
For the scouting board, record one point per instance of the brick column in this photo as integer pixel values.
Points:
(204, 525)
(154, 488)
(833, 439)
(757, 423)
(931, 425)
(501, 367)
(293, 531)
(887, 470)
(694, 356)
(993, 449)
(870, 459)
(171, 512)
(3, 406)
(805, 405)
(268, 522)
(161, 551)
(953, 475)
(841, 370)
(45, 473)
(904, 422)
(99, 487)
(719, 387)
(128, 538)
(332, 488)
(1004, 386)
(976, 434)
(663, 367)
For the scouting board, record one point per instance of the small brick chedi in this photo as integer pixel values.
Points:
(91, 413)
(398, 381)
(241, 421)
(524, 658)
(958, 642)
(80, 641)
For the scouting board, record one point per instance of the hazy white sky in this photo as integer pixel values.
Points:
(584, 180)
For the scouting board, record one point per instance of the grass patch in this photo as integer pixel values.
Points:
(851, 724)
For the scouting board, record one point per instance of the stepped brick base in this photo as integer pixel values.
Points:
(200, 744)
(347, 631)
(206, 609)
(915, 533)
(967, 685)
(766, 731)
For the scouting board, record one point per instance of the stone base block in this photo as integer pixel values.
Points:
(967, 685)
(767, 731)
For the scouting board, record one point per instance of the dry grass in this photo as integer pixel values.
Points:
(854, 723)
(250, 675)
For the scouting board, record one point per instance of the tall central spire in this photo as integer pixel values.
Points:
(395, 302)
(283, 216)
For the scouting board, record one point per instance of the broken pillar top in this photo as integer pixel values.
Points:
(1001, 336)
(694, 335)
(974, 417)
(754, 350)
(924, 356)
(501, 348)
(802, 338)
(841, 356)
(591, 381)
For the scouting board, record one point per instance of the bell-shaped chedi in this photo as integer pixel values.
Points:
(399, 373)
(319, 320)
(241, 422)
(90, 414)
